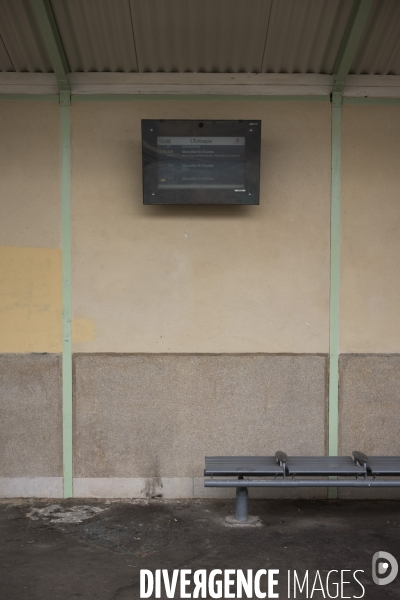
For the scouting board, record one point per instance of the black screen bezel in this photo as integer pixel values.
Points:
(151, 129)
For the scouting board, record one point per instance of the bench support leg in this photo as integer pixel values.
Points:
(242, 496)
(241, 517)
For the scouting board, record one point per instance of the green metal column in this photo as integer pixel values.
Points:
(351, 39)
(66, 298)
(333, 407)
(51, 37)
(48, 28)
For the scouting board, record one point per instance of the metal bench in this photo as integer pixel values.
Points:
(282, 471)
(383, 465)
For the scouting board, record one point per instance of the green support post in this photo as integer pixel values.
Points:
(352, 36)
(66, 299)
(355, 27)
(51, 37)
(333, 409)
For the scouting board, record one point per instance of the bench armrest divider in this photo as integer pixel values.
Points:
(281, 458)
(360, 458)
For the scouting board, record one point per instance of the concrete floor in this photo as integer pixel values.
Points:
(45, 557)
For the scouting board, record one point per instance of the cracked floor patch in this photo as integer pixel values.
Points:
(57, 514)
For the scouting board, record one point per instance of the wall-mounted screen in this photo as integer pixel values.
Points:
(201, 162)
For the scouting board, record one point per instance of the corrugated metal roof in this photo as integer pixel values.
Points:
(206, 36)
(21, 37)
(379, 49)
(304, 36)
(273, 36)
(97, 35)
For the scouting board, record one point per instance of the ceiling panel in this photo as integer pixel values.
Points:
(97, 35)
(272, 36)
(21, 37)
(200, 36)
(379, 49)
(304, 36)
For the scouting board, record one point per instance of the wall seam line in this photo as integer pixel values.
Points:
(360, 101)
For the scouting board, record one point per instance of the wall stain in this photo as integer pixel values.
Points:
(153, 488)
(30, 299)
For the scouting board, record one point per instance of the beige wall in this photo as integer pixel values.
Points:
(250, 282)
(171, 279)
(195, 279)
(30, 299)
(370, 286)
(30, 174)
(30, 227)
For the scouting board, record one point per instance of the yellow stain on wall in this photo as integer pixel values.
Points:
(30, 299)
(82, 330)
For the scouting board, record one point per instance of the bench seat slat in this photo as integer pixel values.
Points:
(383, 465)
(322, 465)
(242, 465)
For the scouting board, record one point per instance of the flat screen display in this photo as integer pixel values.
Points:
(201, 162)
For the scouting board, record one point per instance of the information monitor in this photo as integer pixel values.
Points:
(201, 162)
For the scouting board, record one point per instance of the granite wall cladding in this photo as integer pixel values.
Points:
(31, 415)
(370, 403)
(159, 415)
(369, 411)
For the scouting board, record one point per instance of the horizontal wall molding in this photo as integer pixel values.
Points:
(372, 86)
(168, 488)
(372, 101)
(144, 488)
(30, 97)
(201, 84)
(200, 354)
(173, 488)
(28, 83)
(31, 487)
(133, 487)
(257, 84)
(194, 97)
